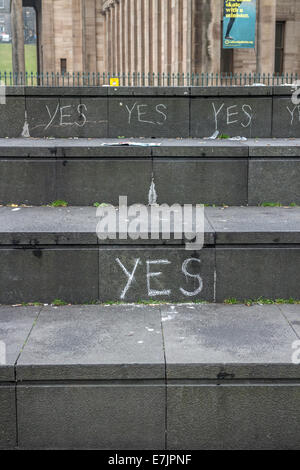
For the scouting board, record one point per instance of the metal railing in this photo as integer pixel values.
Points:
(52, 79)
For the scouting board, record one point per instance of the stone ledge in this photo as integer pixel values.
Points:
(76, 226)
(95, 377)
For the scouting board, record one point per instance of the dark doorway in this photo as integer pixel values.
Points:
(279, 47)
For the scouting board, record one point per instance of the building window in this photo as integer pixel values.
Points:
(63, 66)
(279, 46)
(1, 3)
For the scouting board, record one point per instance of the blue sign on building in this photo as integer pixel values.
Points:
(239, 24)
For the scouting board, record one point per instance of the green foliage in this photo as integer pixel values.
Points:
(59, 203)
(59, 303)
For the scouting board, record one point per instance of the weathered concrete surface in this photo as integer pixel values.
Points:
(107, 417)
(84, 171)
(43, 275)
(48, 226)
(234, 417)
(201, 181)
(48, 253)
(250, 272)
(286, 118)
(208, 348)
(12, 116)
(232, 116)
(153, 112)
(120, 352)
(27, 182)
(77, 226)
(149, 117)
(8, 438)
(15, 326)
(67, 117)
(94, 343)
(274, 181)
(224, 343)
(82, 182)
(99, 377)
(255, 225)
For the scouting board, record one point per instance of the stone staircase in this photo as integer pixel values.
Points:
(150, 377)
(205, 376)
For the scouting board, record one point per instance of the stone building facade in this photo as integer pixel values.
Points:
(159, 36)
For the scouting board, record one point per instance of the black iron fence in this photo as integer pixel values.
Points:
(52, 79)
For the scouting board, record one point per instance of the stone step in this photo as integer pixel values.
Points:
(54, 253)
(176, 377)
(252, 111)
(186, 171)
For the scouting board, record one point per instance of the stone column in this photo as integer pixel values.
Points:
(117, 36)
(127, 35)
(266, 36)
(187, 38)
(47, 39)
(17, 31)
(175, 36)
(166, 36)
(133, 37)
(140, 36)
(206, 44)
(147, 35)
(112, 39)
(156, 36)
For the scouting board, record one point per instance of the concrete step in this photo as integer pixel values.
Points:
(54, 253)
(156, 377)
(252, 111)
(185, 171)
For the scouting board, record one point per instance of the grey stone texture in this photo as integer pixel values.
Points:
(94, 343)
(148, 117)
(188, 181)
(286, 118)
(85, 182)
(108, 377)
(248, 252)
(234, 417)
(27, 182)
(224, 343)
(15, 327)
(232, 116)
(251, 272)
(8, 438)
(119, 350)
(107, 417)
(274, 181)
(152, 112)
(84, 171)
(64, 116)
(42, 274)
(255, 225)
(12, 116)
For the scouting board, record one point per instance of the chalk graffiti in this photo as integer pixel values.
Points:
(235, 114)
(65, 118)
(151, 274)
(144, 113)
(294, 113)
